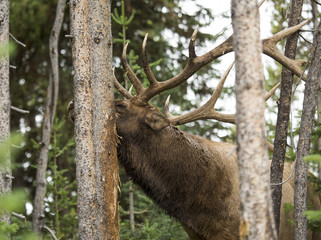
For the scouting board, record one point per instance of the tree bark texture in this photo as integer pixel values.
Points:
(104, 121)
(48, 119)
(5, 168)
(312, 86)
(280, 141)
(95, 131)
(315, 19)
(83, 112)
(257, 220)
(131, 210)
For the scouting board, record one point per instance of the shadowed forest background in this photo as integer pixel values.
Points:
(169, 28)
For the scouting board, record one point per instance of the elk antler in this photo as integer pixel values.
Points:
(207, 110)
(197, 62)
(269, 48)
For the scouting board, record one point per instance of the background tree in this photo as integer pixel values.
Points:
(312, 87)
(284, 106)
(256, 206)
(48, 120)
(5, 103)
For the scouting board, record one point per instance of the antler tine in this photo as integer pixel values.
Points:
(130, 74)
(197, 62)
(150, 76)
(260, 3)
(166, 108)
(193, 65)
(206, 111)
(191, 47)
(272, 91)
(287, 32)
(121, 89)
(269, 48)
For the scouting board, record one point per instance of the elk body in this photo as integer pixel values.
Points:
(193, 179)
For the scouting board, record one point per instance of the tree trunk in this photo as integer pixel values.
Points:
(48, 118)
(104, 120)
(131, 210)
(95, 132)
(5, 167)
(83, 113)
(315, 19)
(312, 86)
(280, 141)
(257, 220)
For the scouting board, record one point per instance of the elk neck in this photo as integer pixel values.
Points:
(171, 166)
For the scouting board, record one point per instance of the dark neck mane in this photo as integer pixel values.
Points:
(181, 172)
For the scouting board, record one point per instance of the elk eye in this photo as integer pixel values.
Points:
(120, 106)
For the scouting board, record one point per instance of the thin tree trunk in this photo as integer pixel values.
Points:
(257, 220)
(83, 113)
(315, 13)
(312, 86)
(280, 141)
(104, 120)
(51, 102)
(5, 167)
(131, 210)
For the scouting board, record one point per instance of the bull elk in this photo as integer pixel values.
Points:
(193, 179)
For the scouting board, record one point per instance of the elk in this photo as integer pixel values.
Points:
(193, 179)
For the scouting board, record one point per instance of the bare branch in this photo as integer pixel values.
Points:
(17, 41)
(51, 232)
(18, 215)
(19, 110)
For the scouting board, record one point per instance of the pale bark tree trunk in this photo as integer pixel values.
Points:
(257, 220)
(95, 131)
(131, 210)
(5, 167)
(284, 107)
(104, 121)
(312, 86)
(83, 113)
(48, 118)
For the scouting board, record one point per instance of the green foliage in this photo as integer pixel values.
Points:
(61, 200)
(150, 221)
(313, 158)
(13, 202)
(7, 49)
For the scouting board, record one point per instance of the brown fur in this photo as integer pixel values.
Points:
(193, 179)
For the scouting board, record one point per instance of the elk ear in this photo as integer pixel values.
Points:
(156, 121)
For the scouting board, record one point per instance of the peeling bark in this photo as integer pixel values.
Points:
(312, 86)
(95, 138)
(257, 220)
(104, 121)
(5, 168)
